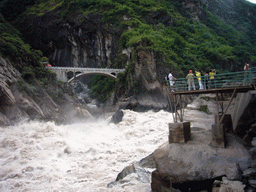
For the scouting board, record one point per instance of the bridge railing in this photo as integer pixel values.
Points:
(85, 69)
(224, 80)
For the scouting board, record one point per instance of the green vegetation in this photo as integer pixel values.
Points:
(25, 59)
(11, 9)
(101, 88)
(223, 40)
(13, 46)
(204, 108)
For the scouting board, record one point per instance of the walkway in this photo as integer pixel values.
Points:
(236, 82)
(225, 82)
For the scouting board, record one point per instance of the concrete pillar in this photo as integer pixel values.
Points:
(227, 122)
(61, 75)
(218, 136)
(179, 132)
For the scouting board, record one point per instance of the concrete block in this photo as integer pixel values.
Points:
(218, 136)
(179, 132)
(227, 123)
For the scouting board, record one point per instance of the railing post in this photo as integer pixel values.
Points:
(250, 77)
(177, 85)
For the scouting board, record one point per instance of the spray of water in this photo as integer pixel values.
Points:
(43, 156)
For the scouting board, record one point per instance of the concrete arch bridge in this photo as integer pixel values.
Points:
(67, 74)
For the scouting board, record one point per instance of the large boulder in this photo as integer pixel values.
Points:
(194, 161)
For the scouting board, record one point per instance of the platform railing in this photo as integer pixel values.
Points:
(224, 80)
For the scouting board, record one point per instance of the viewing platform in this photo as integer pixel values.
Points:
(236, 82)
(222, 83)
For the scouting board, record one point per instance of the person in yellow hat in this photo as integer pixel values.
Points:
(198, 74)
(212, 82)
(190, 77)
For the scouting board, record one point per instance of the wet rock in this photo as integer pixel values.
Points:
(117, 117)
(67, 150)
(233, 171)
(138, 168)
(28, 169)
(252, 152)
(253, 142)
(148, 162)
(235, 186)
(252, 182)
(251, 172)
(3, 120)
(126, 171)
(253, 164)
(190, 162)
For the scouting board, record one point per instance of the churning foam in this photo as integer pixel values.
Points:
(38, 156)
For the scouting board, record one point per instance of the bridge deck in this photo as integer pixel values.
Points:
(237, 82)
(220, 83)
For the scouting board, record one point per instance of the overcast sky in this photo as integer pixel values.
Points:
(252, 1)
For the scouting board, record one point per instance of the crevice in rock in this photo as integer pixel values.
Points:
(204, 185)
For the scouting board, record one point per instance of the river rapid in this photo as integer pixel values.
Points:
(43, 156)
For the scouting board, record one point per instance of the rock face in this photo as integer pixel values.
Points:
(85, 41)
(151, 92)
(16, 105)
(73, 43)
(194, 8)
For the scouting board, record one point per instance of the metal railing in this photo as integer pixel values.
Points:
(85, 69)
(224, 80)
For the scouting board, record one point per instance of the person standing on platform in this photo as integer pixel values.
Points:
(246, 69)
(191, 82)
(206, 79)
(171, 80)
(212, 81)
(198, 74)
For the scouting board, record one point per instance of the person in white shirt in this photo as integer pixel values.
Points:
(171, 80)
(246, 69)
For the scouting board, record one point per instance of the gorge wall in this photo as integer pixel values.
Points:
(73, 43)
(20, 101)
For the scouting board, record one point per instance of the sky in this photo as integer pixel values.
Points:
(252, 1)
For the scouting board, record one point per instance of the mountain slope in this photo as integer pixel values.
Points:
(178, 35)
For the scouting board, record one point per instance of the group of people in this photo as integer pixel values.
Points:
(205, 79)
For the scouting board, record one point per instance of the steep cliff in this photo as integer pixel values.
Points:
(15, 106)
(73, 43)
(92, 43)
(148, 38)
(20, 101)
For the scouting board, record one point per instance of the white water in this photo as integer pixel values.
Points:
(32, 156)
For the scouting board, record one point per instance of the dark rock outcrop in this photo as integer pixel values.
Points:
(117, 117)
(76, 42)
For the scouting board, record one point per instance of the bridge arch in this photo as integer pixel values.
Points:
(112, 76)
(67, 74)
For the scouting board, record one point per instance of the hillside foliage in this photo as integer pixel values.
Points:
(219, 40)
